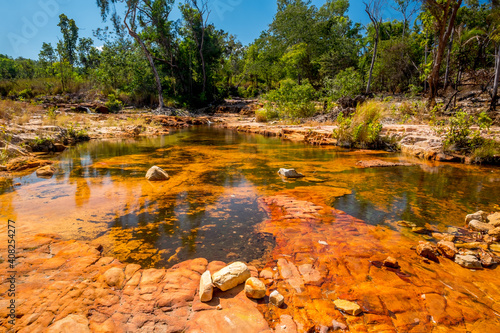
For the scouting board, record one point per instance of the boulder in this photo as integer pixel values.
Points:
(255, 288)
(477, 225)
(290, 173)
(276, 298)
(114, 277)
(231, 276)
(348, 307)
(468, 261)
(447, 249)
(479, 216)
(46, 171)
(427, 250)
(391, 262)
(101, 109)
(494, 219)
(206, 287)
(72, 323)
(156, 174)
(494, 232)
(487, 260)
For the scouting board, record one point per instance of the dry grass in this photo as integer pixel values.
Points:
(19, 113)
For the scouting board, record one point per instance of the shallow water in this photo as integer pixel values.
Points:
(210, 207)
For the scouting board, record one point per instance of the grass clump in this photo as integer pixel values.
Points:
(362, 129)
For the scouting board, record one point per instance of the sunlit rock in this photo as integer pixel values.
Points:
(427, 250)
(480, 226)
(276, 298)
(407, 224)
(255, 288)
(72, 323)
(114, 277)
(206, 287)
(45, 171)
(479, 216)
(338, 325)
(348, 307)
(494, 219)
(156, 174)
(468, 261)
(494, 232)
(231, 276)
(447, 249)
(391, 262)
(290, 173)
(487, 260)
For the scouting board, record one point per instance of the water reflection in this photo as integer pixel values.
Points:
(210, 208)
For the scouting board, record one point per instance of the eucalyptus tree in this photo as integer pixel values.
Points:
(374, 10)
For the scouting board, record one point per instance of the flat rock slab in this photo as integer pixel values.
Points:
(381, 164)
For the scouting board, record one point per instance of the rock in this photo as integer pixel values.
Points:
(494, 232)
(206, 287)
(46, 171)
(478, 216)
(114, 277)
(276, 298)
(407, 224)
(447, 249)
(380, 164)
(421, 231)
(231, 276)
(480, 226)
(59, 148)
(72, 323)
(494, 219)
(255, 288)
(266, 274)
(338, 326)
(468, 261)
(156, 174)
(427, 250)
(444, 237)
(391, 262)
(290, 173)
(348, 307)
(474, 245)
(102, 109)
(487, 259)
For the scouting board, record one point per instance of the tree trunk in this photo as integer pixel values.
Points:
(494, 93)
(132, 33)
(447, 75)
(373, 61)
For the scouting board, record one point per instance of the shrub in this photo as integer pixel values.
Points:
(488, 152)
(264, 115)
(113, 104)
(362, 129)
(347, 83)
(291, 100)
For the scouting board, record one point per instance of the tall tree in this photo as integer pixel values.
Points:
(68, 44)
(374, 11)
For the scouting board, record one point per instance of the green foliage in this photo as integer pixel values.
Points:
(487, 152)
(291, 100)
(77, 134)
(113, 104)
(362, 129)
(463, 131)
(347, 83)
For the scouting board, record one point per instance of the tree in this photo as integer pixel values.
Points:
(67, 47)
(407, 8)
(374, 11)
(47, 57)
(444, 14)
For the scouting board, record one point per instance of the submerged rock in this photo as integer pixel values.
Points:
(407, 224)
(231, 276)
(276, 298)
(46, 171)
(348, 307)
(157, 174)
(255, 288)
(480, 226)
(468, 261)
(206, 287)
(290, 173)
(391, 262)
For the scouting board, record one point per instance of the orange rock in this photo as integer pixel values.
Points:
(447, 249)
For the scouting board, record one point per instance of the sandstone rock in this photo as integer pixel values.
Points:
(72, 323)
(495, 247)
(447, 249)
(46, 171)
(407, 224)
(474, 245)
(478, 216)
(494, 219)
(444, 237)
(480, 226)
(231, 276)
(421, 231)
(290, 173)
(255, 288)
(391, 262)
(206, 287)
(114, 277)
(427, 250)
(494, 232)
(348, 307)
(487, 259)
(276, 298)
(468, 261)
(338, 326)
(156, 174)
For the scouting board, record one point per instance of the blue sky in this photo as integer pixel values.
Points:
(26, 24)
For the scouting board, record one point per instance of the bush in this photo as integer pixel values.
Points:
(264, 115)
(488, 152)
(347, 83)
(291, 100)
(113, 104)
(362, 129)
